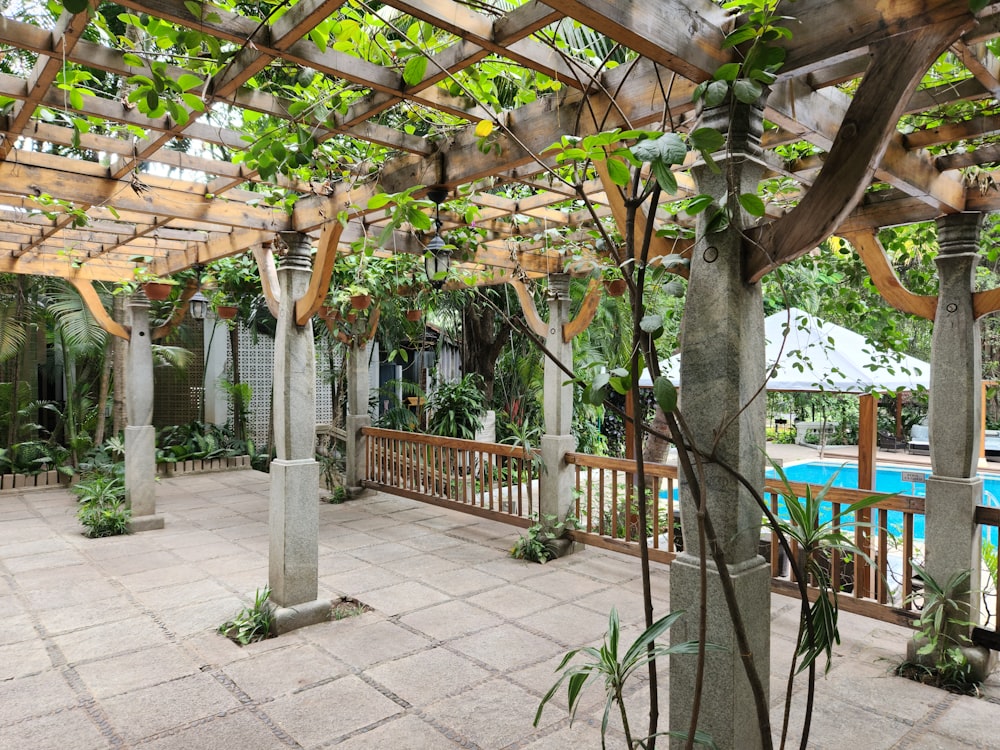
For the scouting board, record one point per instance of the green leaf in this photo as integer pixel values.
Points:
(75, 6)
(618, 171)
(747, 91)
(752, 204)
(727, 72)
(977, 5)
(707, 139)
(652, 324)
(413, 72)
(665, 394)
(132, 60)
(716, 93)
(194, 102)
(665, 177)
(188, 81)
(379, 200)
(152, 99)
(698, 204)
(669, 148)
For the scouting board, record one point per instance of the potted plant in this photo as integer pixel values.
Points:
(156, 288)
(360, 296)
(614, 284)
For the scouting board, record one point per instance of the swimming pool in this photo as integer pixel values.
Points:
(887, 479)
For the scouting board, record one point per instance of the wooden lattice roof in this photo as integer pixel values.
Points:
(92, 183)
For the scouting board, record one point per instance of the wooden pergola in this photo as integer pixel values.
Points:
(136, 143)
(853, 74)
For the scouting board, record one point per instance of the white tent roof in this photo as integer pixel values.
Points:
(821, 356)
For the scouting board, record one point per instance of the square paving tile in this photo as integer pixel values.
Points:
(326, 712)
(51, 732)
(366, 640)
(284, 670)
(426, 676)
(493, 714)
(505, 647)
(409, 732)
(138, 669)
(140, 713)
(449, 620)
(403, 597)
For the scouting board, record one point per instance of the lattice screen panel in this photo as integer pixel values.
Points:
(257, 369)
(180, 391)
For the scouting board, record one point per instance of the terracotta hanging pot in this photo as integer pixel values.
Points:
(157, 290)
(615, 287)
(226, 312)
(361, 301)
(414, 315)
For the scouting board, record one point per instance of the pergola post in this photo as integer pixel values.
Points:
(140, 435)
(358, 416)
(722, 369)
(293, 573)
(952, 537)
(555, 484)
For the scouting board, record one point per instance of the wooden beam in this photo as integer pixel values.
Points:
(93, 302)
(897, 66)
(585, 315)
(886, 281)
(535, 323)
(683, 35)
(319, 283)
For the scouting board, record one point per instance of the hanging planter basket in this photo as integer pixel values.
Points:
(226, 312)
(157, 290)
(615, 287)
(361, 301)
(414, 315)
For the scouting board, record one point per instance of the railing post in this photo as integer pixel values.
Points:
(556, 482)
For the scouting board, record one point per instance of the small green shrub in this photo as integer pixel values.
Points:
(941, 630)
(537, 544)
(251, 624)
(101, 496)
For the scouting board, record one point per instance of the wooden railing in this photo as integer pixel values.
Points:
(500, 482)
(486, 479)
(606, 506)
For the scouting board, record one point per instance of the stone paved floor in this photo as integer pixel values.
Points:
(111, 643)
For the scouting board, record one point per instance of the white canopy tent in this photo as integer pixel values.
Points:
(821, 356)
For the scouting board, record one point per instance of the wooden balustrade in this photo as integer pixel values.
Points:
(486, 479)
(499, 482)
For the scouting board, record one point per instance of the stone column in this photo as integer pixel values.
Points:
(294, 515)
(556, 483)
(722, 368)
(140, 435)
(358, 416)
(952, 538)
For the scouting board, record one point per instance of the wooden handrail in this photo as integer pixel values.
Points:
(499, 449)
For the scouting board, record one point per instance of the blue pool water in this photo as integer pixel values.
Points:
(887, 479)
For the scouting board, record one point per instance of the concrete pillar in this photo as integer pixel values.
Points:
(722, 368)
(952, 538)
(216, 344)
(556, 483)
(294, 515)
(358, 417)
(140, 435)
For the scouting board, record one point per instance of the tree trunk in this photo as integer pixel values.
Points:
(484, 335)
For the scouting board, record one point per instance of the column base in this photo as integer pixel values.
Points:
(145, 523)
(726, 687)
(286, 619)
(982, 661)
